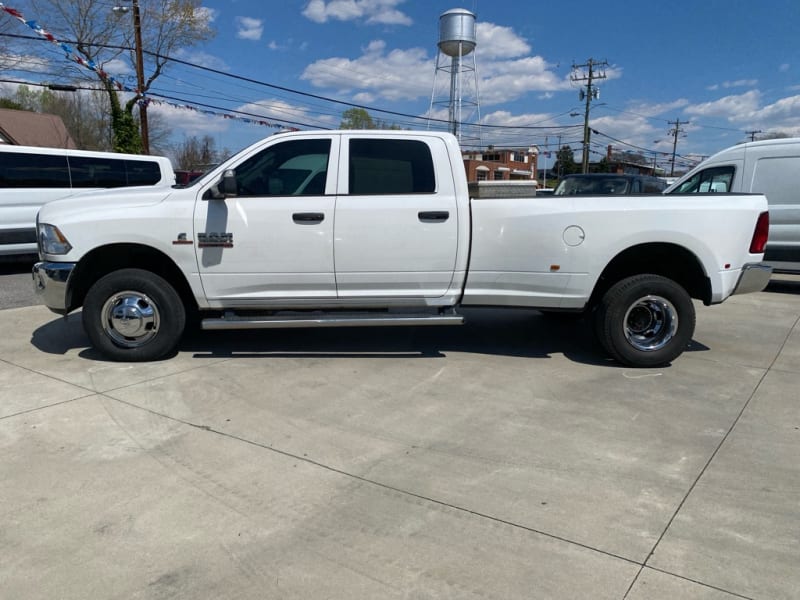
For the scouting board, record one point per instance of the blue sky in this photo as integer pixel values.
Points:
(722, 67)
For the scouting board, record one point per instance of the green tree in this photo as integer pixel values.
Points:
(603, 166)
(359, 118)
(356, 118)
(9, 103)
(565, 162)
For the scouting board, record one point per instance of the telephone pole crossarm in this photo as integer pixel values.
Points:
(752, 134)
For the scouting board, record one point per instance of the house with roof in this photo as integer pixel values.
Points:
(26, 128)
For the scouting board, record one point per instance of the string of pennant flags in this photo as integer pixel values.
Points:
(91, 65)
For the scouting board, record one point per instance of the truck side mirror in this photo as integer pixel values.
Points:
(224, 188)
(228, 185)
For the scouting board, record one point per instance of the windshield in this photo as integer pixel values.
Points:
(595, 186)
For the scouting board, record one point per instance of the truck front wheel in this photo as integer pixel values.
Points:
(133, 315)
(645, 320)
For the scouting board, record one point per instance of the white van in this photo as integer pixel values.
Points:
(770, 167)
(30, 177)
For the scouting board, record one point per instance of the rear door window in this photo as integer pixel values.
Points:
(390, 167)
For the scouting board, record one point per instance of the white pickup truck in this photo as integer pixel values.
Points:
(356, 228)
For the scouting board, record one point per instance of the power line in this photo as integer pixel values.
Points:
(176, 99)
(288, 90)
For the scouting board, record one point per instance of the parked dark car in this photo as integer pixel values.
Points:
(599, 184)
(186, 176)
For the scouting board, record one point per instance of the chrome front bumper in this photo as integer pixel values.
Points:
(50, 281)
(754, 278)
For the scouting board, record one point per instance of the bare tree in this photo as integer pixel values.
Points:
(102, 35)
(195, 153)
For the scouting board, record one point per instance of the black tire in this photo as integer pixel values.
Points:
(645, 321)
(133, 315)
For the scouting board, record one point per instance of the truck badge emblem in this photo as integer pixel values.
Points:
(215, 240)
(182, 240)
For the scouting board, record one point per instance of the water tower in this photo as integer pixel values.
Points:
(456, 57)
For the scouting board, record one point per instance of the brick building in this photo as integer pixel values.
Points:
(495, 164)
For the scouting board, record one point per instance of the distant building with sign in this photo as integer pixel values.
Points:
(501, 164)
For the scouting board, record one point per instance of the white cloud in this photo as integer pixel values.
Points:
(740, 83)
(118, 67)
(504, 81)
(364, 98)
(409, 74)
(782, 116)
(203, 59)
(396, 75)
(648, 109)
(373, 11)
(748, 111)
(634, 129)
(208, 15)
(274, 110)
(495, 41)
(249, 28)
(187, 120)
(733, 84)
(732, 108)
(25, 62)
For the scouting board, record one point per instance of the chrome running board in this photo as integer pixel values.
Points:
(234, 321)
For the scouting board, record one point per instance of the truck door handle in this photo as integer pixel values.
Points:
(309, 218)
(434, 216)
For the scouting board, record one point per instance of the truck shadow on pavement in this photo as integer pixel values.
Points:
(517, 333)
(783, 286)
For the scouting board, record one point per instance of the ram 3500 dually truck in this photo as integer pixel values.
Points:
(356, 228)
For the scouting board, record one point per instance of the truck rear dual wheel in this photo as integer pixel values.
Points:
(645, 321)
(133, 315)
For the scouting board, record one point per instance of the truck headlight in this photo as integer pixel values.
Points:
(52, 241)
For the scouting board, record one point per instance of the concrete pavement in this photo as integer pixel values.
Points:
(502, 459)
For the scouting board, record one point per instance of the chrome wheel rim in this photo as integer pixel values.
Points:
(131, 319)
(650, 323)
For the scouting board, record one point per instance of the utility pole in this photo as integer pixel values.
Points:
(752, 134)
(591, 93)
(675, 131)
(137, 32)
(544, 169)
(137, 43)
